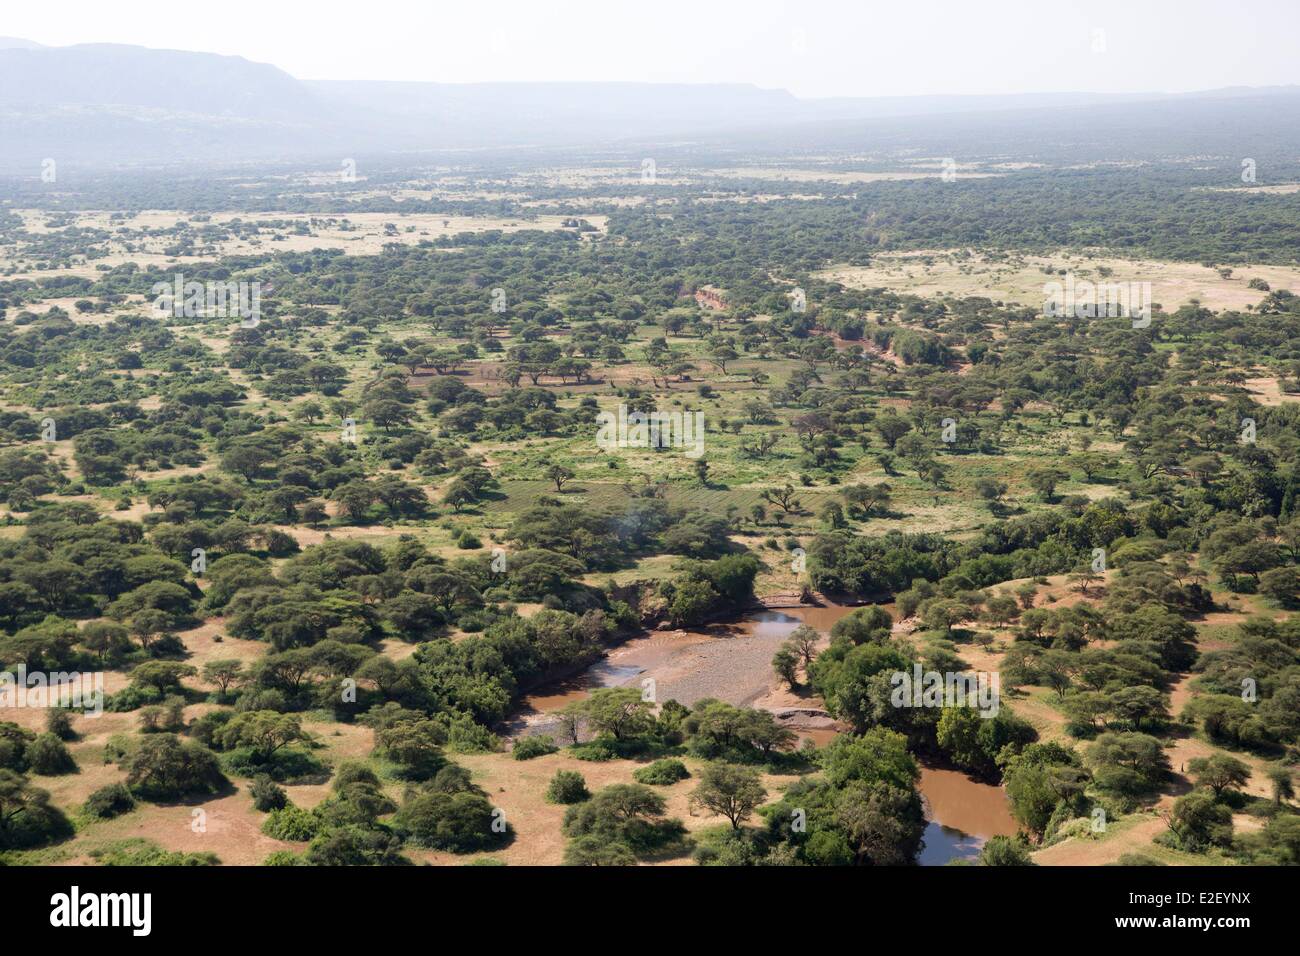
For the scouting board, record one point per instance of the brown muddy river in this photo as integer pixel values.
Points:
(963, 814)
(733, 662)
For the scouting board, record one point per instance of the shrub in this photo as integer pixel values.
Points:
(267, 795)
(291, 823)
(1078, 828)
(140, 852)
(625, 813)
(290, 765)
(13, 746)
(284, 858)
(567, 786)
(48, 756)
(596, 751)
(593, 851)
(117, 747)
(59, 723)
(355, 846)
(1004, 851)
(459, 822)
(414, 745)
(661, 773)
(1197, 822)
(466, 737)
(452, 778)
(108, 802)
(474, 622)
(526, 748)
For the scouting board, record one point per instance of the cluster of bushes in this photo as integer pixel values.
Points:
(863, 809)
(24, 751)
(444, 812)
(705, 588)
(607, 537)
(1251, 689)
(163, 766)
(618, 825)
(855, 676)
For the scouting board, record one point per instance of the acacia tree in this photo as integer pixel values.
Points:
(730, 791)
(1045, 480)
(559, 474)
(804, 639)
(1280, 779)
(1085, 575)
(945, 613)
(784, 498)
(618, 711)
(266, 731)
(164, 767)
(223, 674)
(786, 664)
(1219, 772)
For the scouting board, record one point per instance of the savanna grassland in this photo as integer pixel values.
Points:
(323, 557)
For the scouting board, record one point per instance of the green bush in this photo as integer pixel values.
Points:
(111, 801)
(567, 786)
(140, 852)
(466, 737)
(625, 813)
(355, 846)
(459, 822)
(163, 767)
(291, 823)
(661, 773)
(292, 765)
(526, 748)
(59, 723)
(597, 751)
(284, 858)
(267, 794)
(13, 746)
(594, 851)
(48, 756)
(1005, 851)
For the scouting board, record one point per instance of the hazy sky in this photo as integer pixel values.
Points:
(812, 48)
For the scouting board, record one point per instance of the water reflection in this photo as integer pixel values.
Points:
(945, 844)
(962, 814)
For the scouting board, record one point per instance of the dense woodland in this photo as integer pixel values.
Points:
(409, 579)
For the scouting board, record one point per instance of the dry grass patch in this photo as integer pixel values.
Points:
(1020, 279)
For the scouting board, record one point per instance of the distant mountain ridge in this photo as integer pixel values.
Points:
(112, 103)
(106, 74)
